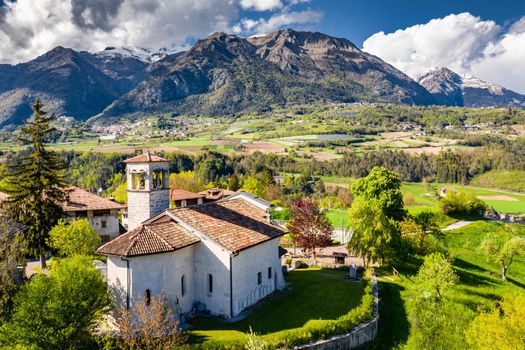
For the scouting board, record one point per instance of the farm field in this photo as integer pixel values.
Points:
(297, 306)
(319, 135)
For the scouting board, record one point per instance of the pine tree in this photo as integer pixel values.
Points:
(35, 184)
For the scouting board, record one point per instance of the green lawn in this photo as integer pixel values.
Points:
(338, 217)
(479, 287)
(313, 294)
(416, 195)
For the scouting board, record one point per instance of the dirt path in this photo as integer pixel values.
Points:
(456, 225)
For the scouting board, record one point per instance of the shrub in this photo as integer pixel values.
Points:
(74, 238)
(461, 203)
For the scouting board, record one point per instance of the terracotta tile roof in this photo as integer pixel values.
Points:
(150, 239)
(177, 194)
(146, 158)
(234, 224)
(80, 200)
(217, 193)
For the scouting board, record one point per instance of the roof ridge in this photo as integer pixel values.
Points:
(160, 237)
(134, 240)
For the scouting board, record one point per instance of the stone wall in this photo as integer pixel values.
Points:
(362, 333)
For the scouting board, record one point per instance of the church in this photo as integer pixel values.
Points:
(215, 258)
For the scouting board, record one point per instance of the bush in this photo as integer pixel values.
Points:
(288, 262)
(58, 311)
(74, 238)
(461, 203)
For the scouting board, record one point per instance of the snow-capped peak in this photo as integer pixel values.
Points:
(142, 54)
(469, 81)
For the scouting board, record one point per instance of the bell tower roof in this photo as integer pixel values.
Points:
(146, 158)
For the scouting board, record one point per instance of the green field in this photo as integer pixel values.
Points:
(338, 217)
(417, 196)
(307, 299)
(479, 287)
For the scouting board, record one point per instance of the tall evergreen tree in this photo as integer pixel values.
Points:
(35, 184)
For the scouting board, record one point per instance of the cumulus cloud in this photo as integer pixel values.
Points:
(30, 28)
(462, 42)
(261, 5)
(280, 20)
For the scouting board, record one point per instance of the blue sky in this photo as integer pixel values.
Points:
(474, 37)
(357, 20)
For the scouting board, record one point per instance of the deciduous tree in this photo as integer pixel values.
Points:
(437, 274)
(57, 311)
(74, 238)
(36, 183)
(503, 247)
(384, 186)
(12, 247)
(501, 328)
(148, 326)
(374, 235)
(309, 227)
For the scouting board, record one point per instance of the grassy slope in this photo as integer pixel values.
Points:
(307, 299)
(504, 180)
(479, 286)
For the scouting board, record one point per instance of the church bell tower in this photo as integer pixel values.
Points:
(147, 187)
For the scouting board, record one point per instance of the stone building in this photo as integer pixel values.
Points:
(102, 213)
(182, 198)
(216, 258)
(148, 188)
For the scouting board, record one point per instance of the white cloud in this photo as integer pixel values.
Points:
(29, 28)
(463, 43)
(262, 5)
(281, 20)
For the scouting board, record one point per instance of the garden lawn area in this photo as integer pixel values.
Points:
(313, 294)
(479, 286)
(338, 217)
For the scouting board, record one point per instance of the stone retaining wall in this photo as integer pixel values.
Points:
(362, 333)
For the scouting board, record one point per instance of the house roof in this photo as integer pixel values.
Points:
(152, 238)
(177, 194)
(216, 193)
(12, 226)
(146, 158)
(81, 200)
(235, 224)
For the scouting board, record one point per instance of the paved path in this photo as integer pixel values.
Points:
(458, 224)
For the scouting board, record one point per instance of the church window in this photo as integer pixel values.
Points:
(138, 181)
(269, 273)
(259, 278)
(147, 296)
(210, 283)
(154, 179)
(142, 181)
(183, 285)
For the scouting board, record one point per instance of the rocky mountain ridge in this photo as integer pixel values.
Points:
(451, 89)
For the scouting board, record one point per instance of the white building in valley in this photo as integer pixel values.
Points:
(218, 257)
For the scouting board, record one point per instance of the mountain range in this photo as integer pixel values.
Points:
(451, 89)
(223, 75)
